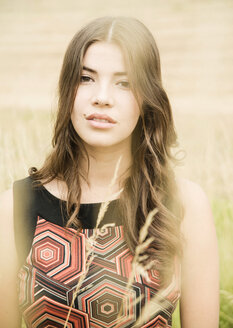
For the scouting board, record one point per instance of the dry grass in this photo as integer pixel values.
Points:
(195, 40)
(90, 242)
(208, 142)
(25, 138)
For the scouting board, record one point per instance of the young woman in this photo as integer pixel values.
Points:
(114, 120)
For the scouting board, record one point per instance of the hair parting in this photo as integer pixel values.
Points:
(151, 183)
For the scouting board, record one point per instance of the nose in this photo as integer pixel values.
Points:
(102, 97)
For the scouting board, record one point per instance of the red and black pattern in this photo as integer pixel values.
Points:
(53, 268)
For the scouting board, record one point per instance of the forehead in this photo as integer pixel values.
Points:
(105, 56)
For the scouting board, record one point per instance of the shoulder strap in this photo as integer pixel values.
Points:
(29, 203)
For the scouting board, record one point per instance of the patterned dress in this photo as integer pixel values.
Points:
(92, 268)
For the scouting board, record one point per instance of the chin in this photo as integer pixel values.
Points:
(100, 145)
(105, 144)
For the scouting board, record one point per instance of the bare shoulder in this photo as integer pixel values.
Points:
(197, 209)
(191, 192)
(7, 241)
(9, 263)
(199, 266)
(198, 225)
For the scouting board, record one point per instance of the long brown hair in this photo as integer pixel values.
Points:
(151, 183)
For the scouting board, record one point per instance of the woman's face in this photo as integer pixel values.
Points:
(105, 110)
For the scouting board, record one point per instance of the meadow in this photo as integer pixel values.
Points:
(195, 42)
(207, 142)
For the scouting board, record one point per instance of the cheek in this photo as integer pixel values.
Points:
(135, 111)
(77, 113)
(77, 105)
(81, 99)
(76, 116)
(134, 106)
(131, 119)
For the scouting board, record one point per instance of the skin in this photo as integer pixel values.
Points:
(104, 92)
(105, 89)
(199, 303)
(8, 269)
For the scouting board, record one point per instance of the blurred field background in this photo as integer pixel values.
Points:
(196, 46)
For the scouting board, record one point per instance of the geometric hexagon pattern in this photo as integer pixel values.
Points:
(48, 279)
(48, 313)
(60, 255)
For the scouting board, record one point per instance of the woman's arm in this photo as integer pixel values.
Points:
(9, 314)
(199, 304)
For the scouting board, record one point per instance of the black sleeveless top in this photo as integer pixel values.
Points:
(31, 201)
(82, 279)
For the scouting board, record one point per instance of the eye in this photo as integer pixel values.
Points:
(85, 78)
(124, 84)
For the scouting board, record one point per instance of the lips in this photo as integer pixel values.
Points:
(102, 118)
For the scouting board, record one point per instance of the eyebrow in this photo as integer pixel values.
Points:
(88, 69)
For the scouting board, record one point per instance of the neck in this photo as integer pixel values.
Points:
(104, 165)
